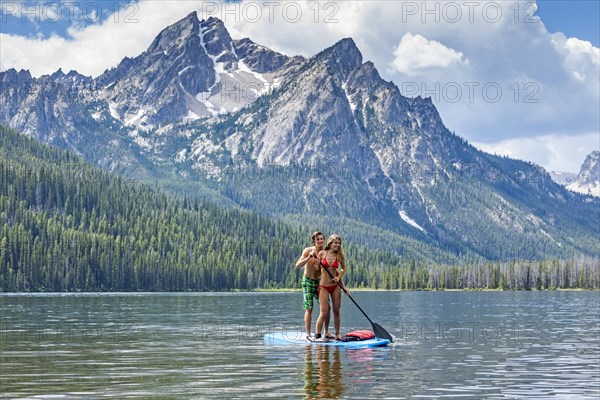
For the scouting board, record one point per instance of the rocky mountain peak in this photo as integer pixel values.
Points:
(217, 42)
(588, 179)
(342, 58)
(364, 76)
(11, 75)
(563, 178)
(73, 77)
(176, 34)
(260, 58)
(59, 74)
(214, 29)
(193, 69)
(590, 169)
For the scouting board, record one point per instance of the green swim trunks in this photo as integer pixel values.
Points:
(310, 288)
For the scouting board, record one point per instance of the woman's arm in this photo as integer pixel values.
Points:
(342, 270)
(339, 277)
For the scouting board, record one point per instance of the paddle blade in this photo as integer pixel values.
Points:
(381, 333)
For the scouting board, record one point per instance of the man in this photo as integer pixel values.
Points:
(310, 281)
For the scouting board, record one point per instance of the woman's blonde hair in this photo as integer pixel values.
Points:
(333, 237)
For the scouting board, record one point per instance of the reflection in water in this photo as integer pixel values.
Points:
(323, 373)
(323, 377)
(362, 362)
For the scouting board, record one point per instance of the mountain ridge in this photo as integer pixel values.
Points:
(588, 179)
(336, 139)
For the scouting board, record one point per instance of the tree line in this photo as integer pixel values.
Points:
(576, 273)
(68, 226)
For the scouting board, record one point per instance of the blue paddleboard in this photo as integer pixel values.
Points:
(299, 338)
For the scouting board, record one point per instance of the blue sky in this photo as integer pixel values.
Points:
(576, 18)
(524, 85)
(46, 18)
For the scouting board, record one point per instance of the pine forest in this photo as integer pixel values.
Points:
(66, 225)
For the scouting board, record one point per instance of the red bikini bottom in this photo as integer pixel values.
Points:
(330, 289)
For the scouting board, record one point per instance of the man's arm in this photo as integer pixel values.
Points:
(304, 258)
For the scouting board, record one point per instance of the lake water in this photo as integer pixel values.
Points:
(210, 345)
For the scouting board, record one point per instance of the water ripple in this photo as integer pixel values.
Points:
(449, 345)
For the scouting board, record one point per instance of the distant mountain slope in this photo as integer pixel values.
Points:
(563, 178)
(322, 138)
(68, 226)
(588, 179)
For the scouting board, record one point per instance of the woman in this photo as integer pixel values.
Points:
(310, 281)
(333, 261)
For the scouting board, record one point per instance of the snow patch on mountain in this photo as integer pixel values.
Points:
(191, 115)
(138, 119)
(235, 84)
(563, 178)
(243, 68)
(353, 105)
(410, 221)
(588, 179)
(588, 188)
(112, 109)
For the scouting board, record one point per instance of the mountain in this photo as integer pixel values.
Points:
(67, 225)
(322, 141)
(563, 178)
(588, 179)
(192, 69)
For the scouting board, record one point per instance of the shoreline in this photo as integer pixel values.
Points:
(295, 290)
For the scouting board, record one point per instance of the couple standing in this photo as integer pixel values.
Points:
(323, 284)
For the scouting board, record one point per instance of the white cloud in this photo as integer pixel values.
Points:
(94, 48)
(553, 152)
(516, 79)
(581, 58)
(415, 54)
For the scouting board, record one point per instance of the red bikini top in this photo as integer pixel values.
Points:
(326, 264)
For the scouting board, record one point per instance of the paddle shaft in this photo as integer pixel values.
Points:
(377, 329)
(346, 291)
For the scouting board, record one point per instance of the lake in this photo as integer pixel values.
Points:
(210, 345)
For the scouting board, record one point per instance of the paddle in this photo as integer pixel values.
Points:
(377, 329)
